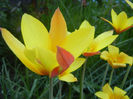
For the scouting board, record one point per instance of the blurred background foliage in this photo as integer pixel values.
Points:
(17, 82)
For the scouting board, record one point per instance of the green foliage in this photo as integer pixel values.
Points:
(17, 82)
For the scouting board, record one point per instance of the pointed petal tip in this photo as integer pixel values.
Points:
(105, 19)
(111, 30)
(76, 80)
(112, 10)
(3, 29)
(25, 15)
(102, 18)
(85, 21)
(68, 78)
(58, 13)
(57, 10)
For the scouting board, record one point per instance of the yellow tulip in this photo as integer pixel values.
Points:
(98, 43)
(130, 3)
(116, 59)
(39, 51)
(108, 93)
(120, 22)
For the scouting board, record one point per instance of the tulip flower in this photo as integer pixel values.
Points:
(120, 22)
(130, 3)
(48, 53)
(98, 43)
(108, 93)
(116, 59)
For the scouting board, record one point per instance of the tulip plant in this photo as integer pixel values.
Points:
(58, 52)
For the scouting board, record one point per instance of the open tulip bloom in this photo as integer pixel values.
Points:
(130, 3)
(116, 59)
(54, 53)
(108, 93)
(120, 22)
(98, 43)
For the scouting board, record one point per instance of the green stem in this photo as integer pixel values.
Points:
(60, 87)
(51, 88)
(111, 75)
(70, 91)
(105, 74)
(82, 79)
(125, 77)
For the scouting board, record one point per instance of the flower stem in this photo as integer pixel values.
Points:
(125, 77)
(60, 87)
(70, 92)
(105, 74)
(51, 88)
(82, 79)
(111, 75)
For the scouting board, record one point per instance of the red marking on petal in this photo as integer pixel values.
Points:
(55, 72)
(64, 58)
(43, 71)
(91, 53)
(124, 29)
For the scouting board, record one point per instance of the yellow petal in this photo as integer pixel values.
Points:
(78, 38)
(121, 21)
(124, 58)
(85, 24)
(114, 18)
(129, 22)
(75, 65)
(107, 89)
(18, 49)
(130, 3)
(119, 91)
(104, 40)
(34, 32)
(48, 58)
(102, 95)
(117, 65)
(67, 77)
(98, 41)
(126, 97)
(104, 55)
(104, 35)
(31, 55)
(58, 29)
(113, 50)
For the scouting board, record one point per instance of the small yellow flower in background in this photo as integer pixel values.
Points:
(98, 43)
(130, 3)
(120, 22)
(44, 52)
(116, 59)
(108, 93)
